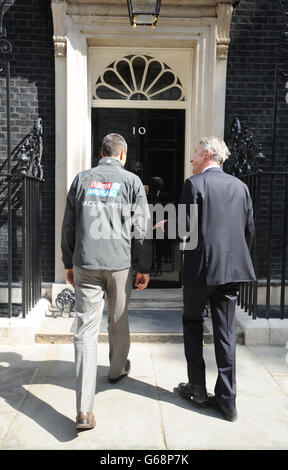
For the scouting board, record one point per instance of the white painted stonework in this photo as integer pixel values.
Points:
(192, 37)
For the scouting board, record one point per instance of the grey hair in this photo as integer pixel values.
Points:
(217, 148)
(113, 144)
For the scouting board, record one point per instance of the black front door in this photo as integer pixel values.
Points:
(155, 141)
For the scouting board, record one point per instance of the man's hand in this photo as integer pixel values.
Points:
(160, 224)
(141, 281)
(70, 276)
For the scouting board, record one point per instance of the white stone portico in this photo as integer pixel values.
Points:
(192, 37)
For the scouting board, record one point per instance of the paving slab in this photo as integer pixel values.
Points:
(46, 420)
(13, 392)
(262, 410)
(275, 360)
(143, 411)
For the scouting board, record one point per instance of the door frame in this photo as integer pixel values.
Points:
(96, 54)
(75, 35)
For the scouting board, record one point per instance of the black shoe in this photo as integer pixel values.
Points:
(127, 370)
(196, 393)
(230, 414)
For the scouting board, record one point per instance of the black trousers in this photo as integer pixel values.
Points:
(223, 301)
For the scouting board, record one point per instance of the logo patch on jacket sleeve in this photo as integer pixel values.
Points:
(98, 188)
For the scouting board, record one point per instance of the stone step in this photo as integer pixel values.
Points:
(156, 304)
(208, 338)
(146, 325)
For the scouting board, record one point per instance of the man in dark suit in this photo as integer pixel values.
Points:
(213, 270)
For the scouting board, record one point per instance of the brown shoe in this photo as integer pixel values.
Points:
(127, 370)
(85, 421)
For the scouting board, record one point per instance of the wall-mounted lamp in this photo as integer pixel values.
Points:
(144, 12)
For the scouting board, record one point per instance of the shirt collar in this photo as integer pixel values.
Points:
(211, 166)
(109, 161)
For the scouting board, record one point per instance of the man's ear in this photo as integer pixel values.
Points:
(206, 155)
(122, 155)
(102, 155)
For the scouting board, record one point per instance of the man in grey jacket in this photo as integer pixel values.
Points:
(106, 208)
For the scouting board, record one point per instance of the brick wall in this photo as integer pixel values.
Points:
(29, 28)
(253, 58)
(256, 94)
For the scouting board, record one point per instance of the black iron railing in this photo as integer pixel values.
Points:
(21, 192)
(21, 175)
(270, 244)
(31, 233)
(269, 251)
(29, 156)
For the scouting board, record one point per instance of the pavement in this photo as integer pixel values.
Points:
(143, 411)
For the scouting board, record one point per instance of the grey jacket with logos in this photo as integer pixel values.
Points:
(106, 213)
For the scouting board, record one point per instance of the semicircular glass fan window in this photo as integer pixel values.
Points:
(138, 77)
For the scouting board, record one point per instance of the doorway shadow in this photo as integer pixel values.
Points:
(18, 375)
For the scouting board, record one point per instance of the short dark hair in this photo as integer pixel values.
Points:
(113, 144)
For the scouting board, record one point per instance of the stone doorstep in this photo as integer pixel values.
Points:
(17, 331)
(134, 337)
(61, 330)
(103, 338)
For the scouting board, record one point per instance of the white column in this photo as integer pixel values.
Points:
(73, 152)
(219, 98)
(60, 163)
(203, 100)
(78, 123)
(60, 45)
(224, 15)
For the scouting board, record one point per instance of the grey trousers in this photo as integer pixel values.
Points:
(90, 288)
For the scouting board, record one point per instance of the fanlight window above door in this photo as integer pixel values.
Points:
(138, 77)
